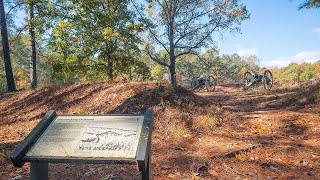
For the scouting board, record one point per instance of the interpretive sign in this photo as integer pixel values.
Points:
(107, 139)
(89, 136)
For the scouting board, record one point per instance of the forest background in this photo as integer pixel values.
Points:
(65, 41)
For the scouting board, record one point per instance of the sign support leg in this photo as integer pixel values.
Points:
(39, 171)
(146, 172)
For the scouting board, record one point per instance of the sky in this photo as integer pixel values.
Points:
(277, 33)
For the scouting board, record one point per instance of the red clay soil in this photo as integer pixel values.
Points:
(227, 134)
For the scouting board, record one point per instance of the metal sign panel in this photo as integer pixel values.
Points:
(89, 137)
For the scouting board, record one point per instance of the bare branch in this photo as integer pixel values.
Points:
(19, 33)
(192, 31)
(153, 34)
(155, 59)
(197, 16)
(13, 7)
(190, 49)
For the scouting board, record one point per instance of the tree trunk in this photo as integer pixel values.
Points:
(6, 51)
(172, 69)
(110, 69)
(172, 66)
(32, 44)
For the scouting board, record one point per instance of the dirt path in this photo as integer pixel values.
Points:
(263, 136)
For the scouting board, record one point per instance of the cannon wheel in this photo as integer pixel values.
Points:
(247, 80)
(195, 84)
(210, 84)
(268, 80)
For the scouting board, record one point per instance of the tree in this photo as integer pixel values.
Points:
(310, 4)
(253, 62)
(96, 32)
(6, 51)
(32, 44)
(307, 71)
(317, 69)
(31, 7)
(223, 68)
(233, 67)
(291, 72)
(185, 26)
(157, 72)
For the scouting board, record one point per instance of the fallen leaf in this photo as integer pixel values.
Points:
(195, 176)
(217, 169)
(172, 176)
(213, 172)
(165, 167)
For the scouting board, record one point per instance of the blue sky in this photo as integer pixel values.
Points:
(277, 32)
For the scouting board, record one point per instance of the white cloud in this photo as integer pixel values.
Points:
(304, 56)
(308, 56)
(244, 51)
(317, 30)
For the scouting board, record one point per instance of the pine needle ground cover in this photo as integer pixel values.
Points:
(227, 134)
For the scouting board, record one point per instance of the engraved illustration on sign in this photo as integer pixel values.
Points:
(99, 138)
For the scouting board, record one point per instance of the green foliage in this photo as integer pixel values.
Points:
(67, 70)
(188, 66)
(224, 68)
(3, 82)
(291, 73)
(307, 71)
(297, 72)
(232, 67)
(310, 4)
(20, 61)
(157, 72)
(78, 41)
(317, 69)
(90, 40)
(86, 40)
(139, 71)
(101, 32)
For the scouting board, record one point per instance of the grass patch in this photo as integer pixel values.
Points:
(206, 123)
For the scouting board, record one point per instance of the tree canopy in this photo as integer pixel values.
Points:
(101, 32)
(69, 40)
(184, 27)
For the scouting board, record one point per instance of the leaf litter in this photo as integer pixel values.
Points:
(228, 134)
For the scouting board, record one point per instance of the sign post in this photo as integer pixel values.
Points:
(102, 139)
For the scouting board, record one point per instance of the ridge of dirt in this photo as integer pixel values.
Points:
(21, 111)
(227, 134)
